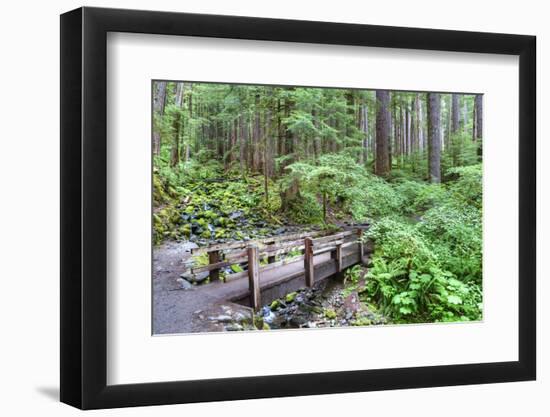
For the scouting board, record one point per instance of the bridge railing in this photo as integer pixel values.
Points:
(235, 253)
(308, 245)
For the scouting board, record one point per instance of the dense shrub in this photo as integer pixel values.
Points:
(304, 209)
(467, 189)
(409, 280)
(430, 270)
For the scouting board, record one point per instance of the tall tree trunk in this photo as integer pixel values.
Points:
(316, 139)
(256, 139)
(434, 137)
(190, 124)
(454, 114)
(479, 116)
(280, 135)
(464, 114)
(382, 166)
(159, 100)
(175, 153)
(267, 150)
(421, 136)
(416, 130)
(365, 131)
(410, 128)
(242, 145)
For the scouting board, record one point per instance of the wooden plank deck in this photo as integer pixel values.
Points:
(238, 289)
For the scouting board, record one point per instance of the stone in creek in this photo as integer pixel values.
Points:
(240, 317)
(222, 318)
(298, 320)
(267, 315)
(184, 284)
(197, 278)
(187, 246)
(236, 214)
(234, 327)
(352, 304)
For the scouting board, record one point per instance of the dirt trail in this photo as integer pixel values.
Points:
(178, 310)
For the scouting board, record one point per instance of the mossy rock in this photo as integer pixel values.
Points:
(290, 297)
(221, 233)
(330, 314)
(209, 214)
(185, 230)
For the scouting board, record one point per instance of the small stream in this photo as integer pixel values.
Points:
(328, 304)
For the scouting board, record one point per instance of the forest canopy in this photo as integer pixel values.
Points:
(234, 162)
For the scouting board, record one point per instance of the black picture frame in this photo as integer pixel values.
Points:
(84, 207)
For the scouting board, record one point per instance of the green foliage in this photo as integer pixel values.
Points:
(310, 144)
(304, 209)
(431, 270)
(468, 188)
(419, 196)
(346, 185)
(456, 233)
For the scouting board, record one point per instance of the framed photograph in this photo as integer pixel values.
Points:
(256, 208)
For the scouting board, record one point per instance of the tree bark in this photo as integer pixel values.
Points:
(464, 113)
(382, 165)
(176, 124)
(454, 114)
(159, 99)
(434, 137)
(479, 116)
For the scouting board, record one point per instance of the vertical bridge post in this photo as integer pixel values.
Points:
(338, 257)
(308, 261)
(270, 258)
(214, 258)
(360, 245)
(254, 277)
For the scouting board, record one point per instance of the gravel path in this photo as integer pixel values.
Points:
(178, 310)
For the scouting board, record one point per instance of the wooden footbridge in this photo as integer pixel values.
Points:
(274, 266)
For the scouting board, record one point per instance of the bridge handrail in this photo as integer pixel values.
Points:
(246, 243)
(309, 245)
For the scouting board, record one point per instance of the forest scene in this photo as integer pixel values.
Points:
(280, 207)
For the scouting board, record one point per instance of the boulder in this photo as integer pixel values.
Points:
(195, 278)
(184, 284)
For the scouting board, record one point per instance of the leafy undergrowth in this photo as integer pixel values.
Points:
(429, 268)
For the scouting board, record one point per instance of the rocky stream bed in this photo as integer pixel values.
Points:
(326, 305)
